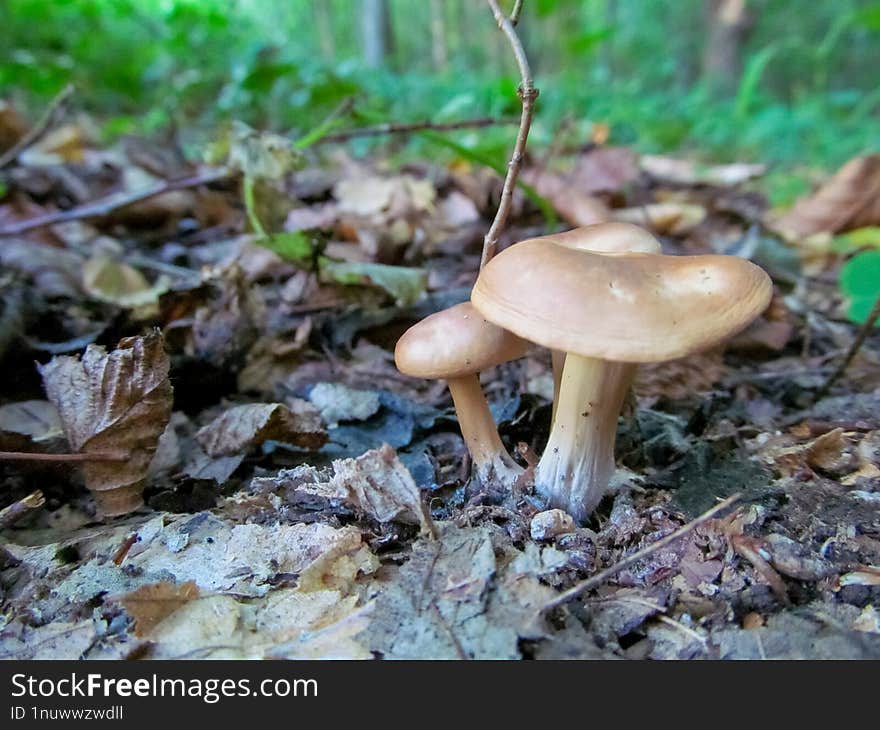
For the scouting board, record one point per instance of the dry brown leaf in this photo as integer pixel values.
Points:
(682, 378)
(605, 169)
(12, 126)
(832, 453)
(849, 200)
(378, 484)
(118, 283)
(114, 403)
(150, 604)
(241, 428)
(574, 205)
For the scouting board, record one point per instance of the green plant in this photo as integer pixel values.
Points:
(860, 283)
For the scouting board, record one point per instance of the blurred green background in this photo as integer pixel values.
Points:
(789, 82)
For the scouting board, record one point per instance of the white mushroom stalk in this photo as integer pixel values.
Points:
(605, 297)
(456, 344)
(490, 459)
(578, 463)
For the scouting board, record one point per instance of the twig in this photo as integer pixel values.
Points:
(527, 94)
(96, 456)
(49, 119)
(867, 326)
(514, 14)
(404, 128)
(603, 575)
(112, 203)
(15, 511)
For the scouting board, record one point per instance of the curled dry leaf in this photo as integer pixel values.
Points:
(152, 603)
(114, 403)
(849, 200)
(380, 485)
(241, 428)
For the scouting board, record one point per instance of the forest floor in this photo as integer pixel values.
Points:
(281, 514)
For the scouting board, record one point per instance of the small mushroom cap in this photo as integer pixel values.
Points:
(453, 343)
(608, 238)
(638, 307)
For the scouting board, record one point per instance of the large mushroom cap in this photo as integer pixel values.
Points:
(639, 307)
(608, 238)
(455, 342)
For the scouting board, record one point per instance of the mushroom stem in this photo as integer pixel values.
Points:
(557, 358)
(578, 463)
(480, 432)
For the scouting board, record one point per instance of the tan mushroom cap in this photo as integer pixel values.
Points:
(608, 238)
(453, 343)
(639, 307)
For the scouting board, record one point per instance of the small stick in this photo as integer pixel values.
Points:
(15, 511)
(49, 119)
(111, 203)
(389, 128)
(603, 575)
(514, 14)
(527, 94)
(96, 456)
(865, 330)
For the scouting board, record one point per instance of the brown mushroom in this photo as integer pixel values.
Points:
(608, 312)
(456, 344)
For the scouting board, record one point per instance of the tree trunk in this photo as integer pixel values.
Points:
(375, 29)
(322, 13)
(438, 36)
(729, 23)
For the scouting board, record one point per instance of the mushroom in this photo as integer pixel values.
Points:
(456, 344)
(611, 238)
(607, 312)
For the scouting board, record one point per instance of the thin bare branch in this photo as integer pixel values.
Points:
(414, 127)
(854, 348)
(515, 13)
(15, 511)
(527, 94)
(50, 118)
(112, 203)
(95, 456)
(599, 578)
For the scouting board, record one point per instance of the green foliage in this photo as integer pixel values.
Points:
(807, 93)
(860, 282)
(404, 283)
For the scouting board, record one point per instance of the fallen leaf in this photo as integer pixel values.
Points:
(118, 283)
(406, 285)
(849, 200)
(241, 428)
(689, 172)
(150, 604)
(676, 219)
(36, 419)
(338, 402)
(113, 403)
(379, 485)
